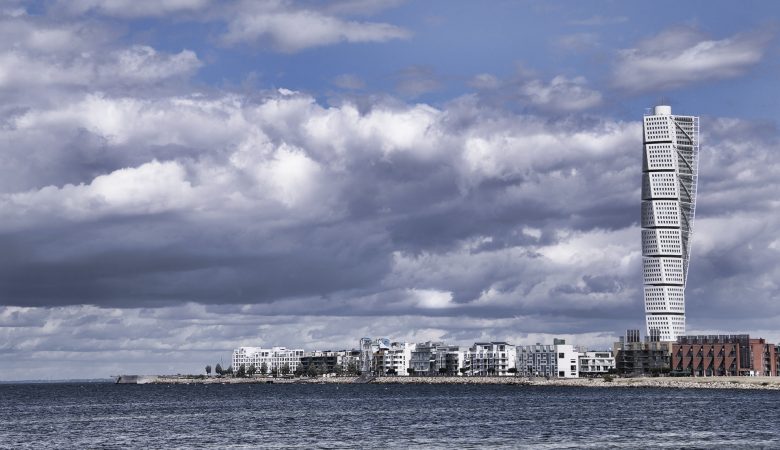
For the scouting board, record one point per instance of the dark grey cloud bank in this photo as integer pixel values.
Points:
(149, 226)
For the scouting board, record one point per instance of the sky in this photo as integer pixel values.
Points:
(182, 177)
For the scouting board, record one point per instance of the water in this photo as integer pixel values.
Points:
(101, 415)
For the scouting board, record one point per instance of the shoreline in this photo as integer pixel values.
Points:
(764, 383)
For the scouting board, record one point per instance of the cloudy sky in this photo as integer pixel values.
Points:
(180, 177)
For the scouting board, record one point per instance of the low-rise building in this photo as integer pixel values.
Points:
(452, 360)
(559, 360)
(394, 359)
(723, 355)
(593, 364)
(491, 359)
(423, 358)
(276, 359)
(327, 361)
(638, 358)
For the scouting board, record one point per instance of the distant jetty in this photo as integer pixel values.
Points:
(771, 383)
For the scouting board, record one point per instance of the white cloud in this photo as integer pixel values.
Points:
(291, 31)
(38, 53)
(485, 81)
(349, 81)
(133, 8)
(150, 188)
(682, 56)
(561, 94)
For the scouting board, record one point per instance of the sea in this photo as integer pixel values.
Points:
(362, 416)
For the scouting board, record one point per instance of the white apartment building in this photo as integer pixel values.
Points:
(394, 359)
(596, 363)
(437, 358)
(553, 361)
(274, 358)
(451, 359)
(491, 359)
(670, 165)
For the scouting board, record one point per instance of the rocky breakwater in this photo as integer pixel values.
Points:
(772, 383)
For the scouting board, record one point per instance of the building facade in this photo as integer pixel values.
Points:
(423, 358)
(558, 360)
(491, 359)
(327, 361)
(669, 178)
(276, 359)
(723, 355)
(634, 357)
(594, 364)
(394, 359)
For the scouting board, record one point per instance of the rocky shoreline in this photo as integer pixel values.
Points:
(766, 383)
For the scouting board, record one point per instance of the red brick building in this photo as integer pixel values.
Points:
(724, 355)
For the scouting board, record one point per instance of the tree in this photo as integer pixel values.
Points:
(218, 370)
(241, 373)
(274, 371)
(251, 370)
(323, 368)
(299, 370)
(512, 370)
(286, 369)
(410, 371)
(311, 370)
(263, 369)
(208, 370)
(352, 367)
(339, 369)
(229, 370)
(391, 371)
(464, 371)
(442, 371)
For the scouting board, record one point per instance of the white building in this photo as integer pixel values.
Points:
(274, 358)
(491, 359)
(552, 361)
(669, 174)
(394, 359)
(452, 360)
(596, 363)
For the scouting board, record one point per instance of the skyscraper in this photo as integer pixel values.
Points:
(669, 173)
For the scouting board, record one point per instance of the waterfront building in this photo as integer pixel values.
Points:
(593, 364)
(638, 358)
(452, 360)
(723, 355)
(393, 359)
(276, 359)
(669, 176)
(423, 358)
(341, 361)
(558, 360)
(491, 359)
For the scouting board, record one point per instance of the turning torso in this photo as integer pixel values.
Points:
(669, 172)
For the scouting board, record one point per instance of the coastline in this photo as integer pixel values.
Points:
(764, 383)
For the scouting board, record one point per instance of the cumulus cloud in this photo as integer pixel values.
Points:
(561, 94)
(290, 30)
(680, 56)
(457, 223)
(36, 52)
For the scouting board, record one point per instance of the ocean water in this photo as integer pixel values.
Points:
(102, 415)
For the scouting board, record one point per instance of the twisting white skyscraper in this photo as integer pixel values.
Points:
(669, 175)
